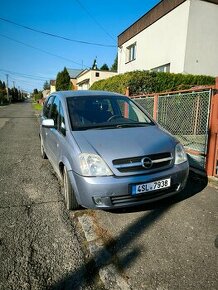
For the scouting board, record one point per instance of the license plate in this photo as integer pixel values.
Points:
(151, 186)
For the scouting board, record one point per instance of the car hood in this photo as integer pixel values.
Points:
(119, 143)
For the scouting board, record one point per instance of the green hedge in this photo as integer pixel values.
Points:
(151, 82)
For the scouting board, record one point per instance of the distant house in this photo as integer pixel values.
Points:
(52, 86)
(179, 36)
(73, 76)
(73, 73)
(87, 77)
(45, 93)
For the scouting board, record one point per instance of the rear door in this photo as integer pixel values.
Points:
(45, 132)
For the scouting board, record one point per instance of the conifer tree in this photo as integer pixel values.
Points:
(63, 81)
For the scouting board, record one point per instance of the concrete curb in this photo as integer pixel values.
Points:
(108, 273)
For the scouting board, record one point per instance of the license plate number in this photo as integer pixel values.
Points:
(151, 186)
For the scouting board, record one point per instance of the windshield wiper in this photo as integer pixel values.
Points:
(114, 126)
(126, 125)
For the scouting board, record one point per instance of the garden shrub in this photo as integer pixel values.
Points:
(144, 82)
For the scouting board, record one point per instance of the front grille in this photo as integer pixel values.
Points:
(134, 164)
(125, 200)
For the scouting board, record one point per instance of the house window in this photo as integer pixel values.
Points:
(162, 68)
(97, 74)
(131, 52)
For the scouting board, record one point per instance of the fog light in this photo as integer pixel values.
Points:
(98, 200)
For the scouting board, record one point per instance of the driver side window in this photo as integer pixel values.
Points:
(54, 111)
(47, 107)
(61, 125)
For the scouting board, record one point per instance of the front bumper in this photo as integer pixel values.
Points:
(115, 192)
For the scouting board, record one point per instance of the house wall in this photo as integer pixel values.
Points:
(161, 43)
(92, 76)
(186, 38)
(74, 83)
(52, 89)
(202, 40)
(100, 75)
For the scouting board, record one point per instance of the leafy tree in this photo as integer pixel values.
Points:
(63, 81)
(46, 85)
(37, 95)
(104, 67)
(114, 65)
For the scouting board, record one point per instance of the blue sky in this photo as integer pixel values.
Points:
(30, 58)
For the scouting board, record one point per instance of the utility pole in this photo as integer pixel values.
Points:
(18, 92)
(7, 87)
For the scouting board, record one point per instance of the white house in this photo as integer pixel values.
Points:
(87, 77)
(179, 36)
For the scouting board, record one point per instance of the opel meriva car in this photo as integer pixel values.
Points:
(108, 152)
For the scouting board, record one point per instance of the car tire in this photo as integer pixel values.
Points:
(43, 154)
(69, 195)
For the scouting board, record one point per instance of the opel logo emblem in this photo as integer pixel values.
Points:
(147, 162)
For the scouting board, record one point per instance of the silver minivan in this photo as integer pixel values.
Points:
(108, 152)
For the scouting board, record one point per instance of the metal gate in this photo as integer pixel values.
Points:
(186, 116)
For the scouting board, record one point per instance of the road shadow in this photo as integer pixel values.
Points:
(88, 273)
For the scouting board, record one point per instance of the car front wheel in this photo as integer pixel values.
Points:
(69, 195)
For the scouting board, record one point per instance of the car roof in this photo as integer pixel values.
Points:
(66, 94)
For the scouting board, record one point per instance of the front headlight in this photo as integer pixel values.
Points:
(93, 165)
(180, 155)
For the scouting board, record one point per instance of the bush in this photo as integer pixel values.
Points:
(38, 96)
(144, 82)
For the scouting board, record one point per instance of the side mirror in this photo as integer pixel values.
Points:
(48, 123)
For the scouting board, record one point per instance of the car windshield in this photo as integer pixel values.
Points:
(102, 112)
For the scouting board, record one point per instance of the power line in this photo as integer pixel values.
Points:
(34, 80)
(39, 49)
(94, 19)
(25, 75)
(25, 82)
(56, 35)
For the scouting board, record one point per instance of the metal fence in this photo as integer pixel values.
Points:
(186, 116)
(147, 102)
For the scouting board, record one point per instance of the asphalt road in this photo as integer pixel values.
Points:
(161, 246)
(167, 245)
(40, 246)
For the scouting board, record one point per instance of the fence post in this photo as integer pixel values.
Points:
(155, 110)
(126, 107)
(127, 92)
(212, 154)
